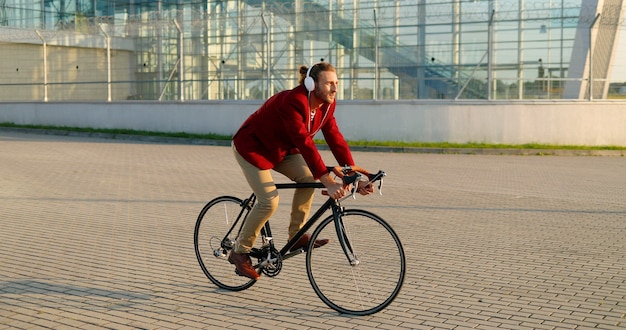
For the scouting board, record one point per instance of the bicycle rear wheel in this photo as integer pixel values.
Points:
(212, 246)
(368, 282)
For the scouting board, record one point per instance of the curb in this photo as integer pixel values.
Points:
(417, 150)
(491, 151)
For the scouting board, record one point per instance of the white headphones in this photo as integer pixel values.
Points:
(309, 83)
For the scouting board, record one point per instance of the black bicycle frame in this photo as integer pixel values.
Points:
(312, 220)
(332, 204)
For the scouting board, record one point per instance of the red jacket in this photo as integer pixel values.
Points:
(281, 127)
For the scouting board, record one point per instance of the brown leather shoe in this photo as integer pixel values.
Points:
(243, 264)
(303, 242)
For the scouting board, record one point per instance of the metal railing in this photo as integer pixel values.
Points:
(252, 51)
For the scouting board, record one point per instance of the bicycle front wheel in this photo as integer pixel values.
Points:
(212, 244)
(361, 271)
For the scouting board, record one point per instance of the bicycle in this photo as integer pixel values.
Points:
(359, 273)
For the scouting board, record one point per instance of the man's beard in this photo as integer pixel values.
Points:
(327, 98)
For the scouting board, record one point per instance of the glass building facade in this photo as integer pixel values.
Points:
(65, 50)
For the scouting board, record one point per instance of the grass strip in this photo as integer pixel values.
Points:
(360, 143)
(209, 136)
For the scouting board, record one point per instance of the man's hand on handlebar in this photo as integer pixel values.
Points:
(350, 176)
(335, 189)
(365, 188)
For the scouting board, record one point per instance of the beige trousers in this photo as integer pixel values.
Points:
(262, 183)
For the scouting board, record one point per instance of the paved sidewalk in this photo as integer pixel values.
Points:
(99, 234)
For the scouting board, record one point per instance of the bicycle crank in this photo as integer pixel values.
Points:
(270, 260)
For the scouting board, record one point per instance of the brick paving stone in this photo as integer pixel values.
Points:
(98, 233)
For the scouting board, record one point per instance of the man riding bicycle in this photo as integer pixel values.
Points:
(279, 136)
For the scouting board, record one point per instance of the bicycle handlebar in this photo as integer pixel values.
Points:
(351, 175)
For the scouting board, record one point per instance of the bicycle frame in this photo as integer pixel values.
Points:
(285, 252)
(330, 203)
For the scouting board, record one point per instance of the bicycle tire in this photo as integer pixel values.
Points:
(371, 285)
(214, 221)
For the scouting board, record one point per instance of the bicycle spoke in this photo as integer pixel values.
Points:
(212, 247)
(367, 286)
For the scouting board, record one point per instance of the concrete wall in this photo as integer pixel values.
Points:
(72, 72)
(546, 122)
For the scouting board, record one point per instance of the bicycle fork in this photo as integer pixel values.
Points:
(342, 235)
